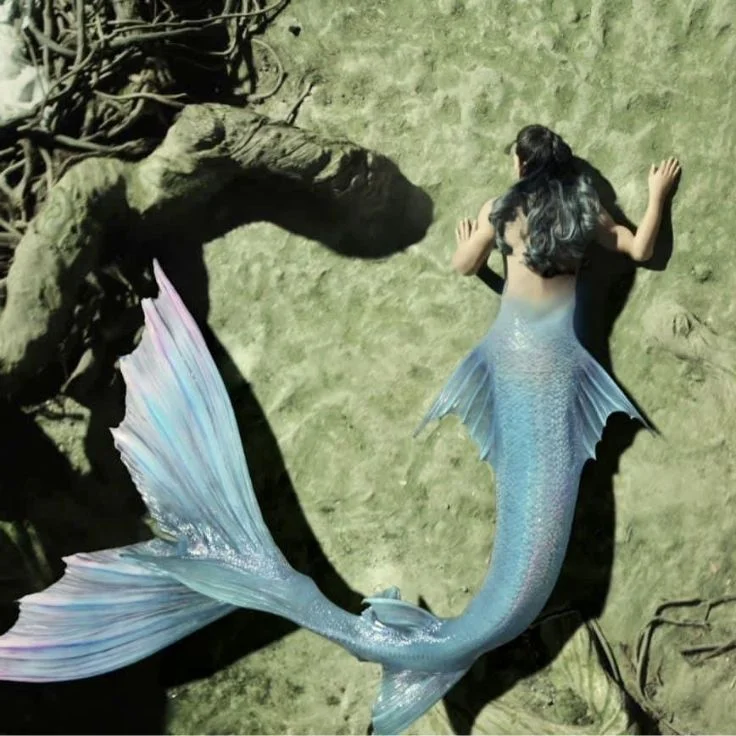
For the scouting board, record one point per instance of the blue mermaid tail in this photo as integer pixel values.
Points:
(534, 401)
(180, 443)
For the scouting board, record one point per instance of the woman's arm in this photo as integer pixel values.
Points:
(474, 242)
(640, 247)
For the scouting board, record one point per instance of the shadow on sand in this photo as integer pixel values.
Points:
(604, 286)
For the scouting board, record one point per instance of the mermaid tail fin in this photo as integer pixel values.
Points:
(406, 695)
(104, 613)
(469, 394)
(179, 438)
(180, 442)
(598, 396)
(181, 445)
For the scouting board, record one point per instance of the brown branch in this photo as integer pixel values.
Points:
(49, 164)
(46, 51)
(170, 100)
(709, 650)
(644, 642)
(127, 123)
(208, 148)
(25, 182)
(10, 228)
(117, 41)
(4, 186)
(79, 55)
(49, 43)
(290, 118)
(204, 22)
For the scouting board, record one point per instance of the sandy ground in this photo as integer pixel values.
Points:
(331, 362)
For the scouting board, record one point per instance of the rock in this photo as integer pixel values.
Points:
(702, 272)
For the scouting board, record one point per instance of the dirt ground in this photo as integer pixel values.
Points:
(332, 360)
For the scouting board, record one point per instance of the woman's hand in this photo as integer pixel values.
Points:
(474, 241)
(640, 247)
(465, 230)
(662, 178)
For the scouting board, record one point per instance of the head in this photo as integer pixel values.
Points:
(560, 203)
(537, 150)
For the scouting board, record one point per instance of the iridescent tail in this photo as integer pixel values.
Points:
(181, 444)
(104, 613)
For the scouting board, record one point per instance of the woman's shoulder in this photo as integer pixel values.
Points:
(487, 208)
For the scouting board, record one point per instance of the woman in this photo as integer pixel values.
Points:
(530, 394)
(548, 218)
(530, 370)
(532, 397)
(534, 400)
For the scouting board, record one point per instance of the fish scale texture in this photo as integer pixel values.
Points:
(533, 359)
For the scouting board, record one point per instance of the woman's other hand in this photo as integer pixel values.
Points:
(465, 230)
(474, 241)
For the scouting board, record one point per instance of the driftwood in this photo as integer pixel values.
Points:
(115, 74)
(207, 151)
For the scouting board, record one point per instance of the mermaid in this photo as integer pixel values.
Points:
(531, 396)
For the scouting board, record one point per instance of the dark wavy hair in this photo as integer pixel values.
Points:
(561, 205)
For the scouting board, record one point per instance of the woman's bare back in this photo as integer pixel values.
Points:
(521, 281)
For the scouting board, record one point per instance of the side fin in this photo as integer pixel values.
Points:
(407, 695)
(104, 613)
(598, 397)
(469, 394)
(400, 614)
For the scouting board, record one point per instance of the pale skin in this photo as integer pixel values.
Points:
(476, 238)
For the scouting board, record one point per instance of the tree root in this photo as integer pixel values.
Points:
(207, 150)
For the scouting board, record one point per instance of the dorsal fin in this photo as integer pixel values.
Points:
(398, 613)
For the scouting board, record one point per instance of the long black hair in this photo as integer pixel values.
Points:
(561, 205)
